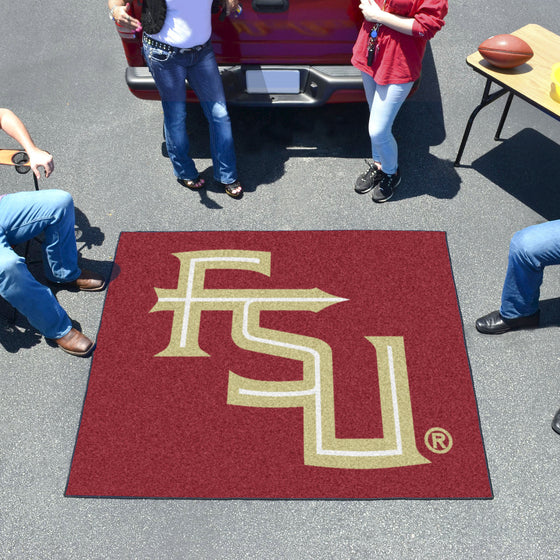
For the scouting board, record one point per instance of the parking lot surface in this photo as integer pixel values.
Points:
(63, 74)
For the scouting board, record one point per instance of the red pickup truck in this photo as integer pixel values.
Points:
(277, 52)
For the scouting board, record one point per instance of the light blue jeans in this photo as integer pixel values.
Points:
(530, 251)
(23, 216)
(170, 70)
(384, 104)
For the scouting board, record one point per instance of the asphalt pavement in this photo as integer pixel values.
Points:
(63, 74)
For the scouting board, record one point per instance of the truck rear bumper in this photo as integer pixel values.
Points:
(317, 85)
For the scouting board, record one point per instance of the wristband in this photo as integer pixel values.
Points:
(111, 16)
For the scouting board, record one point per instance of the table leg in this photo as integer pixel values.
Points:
(504, 116)
(487, 98)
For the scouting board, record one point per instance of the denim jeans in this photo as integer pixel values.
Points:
(170, 70)
(384, 104)
(530, 251)
(23, 216)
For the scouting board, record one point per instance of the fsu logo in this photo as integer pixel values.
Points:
(314, 392)
(281, 365)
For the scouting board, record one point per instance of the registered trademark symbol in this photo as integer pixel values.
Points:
(438, 440)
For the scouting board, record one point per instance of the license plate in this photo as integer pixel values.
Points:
(272, 81)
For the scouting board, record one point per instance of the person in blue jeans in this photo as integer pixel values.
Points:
(531, 250)
(23, 216)
(177, 47)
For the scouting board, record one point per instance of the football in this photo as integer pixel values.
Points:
(505, 51)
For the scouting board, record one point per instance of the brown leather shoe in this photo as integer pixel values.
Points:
(76, 343)
(88, 281)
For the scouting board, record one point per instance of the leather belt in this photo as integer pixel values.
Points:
(170, 48)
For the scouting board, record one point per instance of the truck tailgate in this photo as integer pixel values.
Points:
(289, 32)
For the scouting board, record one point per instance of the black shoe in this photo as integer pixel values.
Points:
(386, 187)
(366, 181)
(556, 422)
(494, 323)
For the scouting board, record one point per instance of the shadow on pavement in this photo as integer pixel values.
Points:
(420, 125)
(550, 312)
(527, 166)
(86, 234)
(268, 137)
(18, 335)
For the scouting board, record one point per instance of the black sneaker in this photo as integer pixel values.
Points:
(386, 187)
(366, 181)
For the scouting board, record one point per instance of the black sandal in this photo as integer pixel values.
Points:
(193, 184)
(235, 190)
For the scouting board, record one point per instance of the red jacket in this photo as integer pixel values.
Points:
(398, 57)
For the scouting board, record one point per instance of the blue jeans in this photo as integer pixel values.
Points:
(530, 250)
(23, 216)
(384, 104)
(170, 70)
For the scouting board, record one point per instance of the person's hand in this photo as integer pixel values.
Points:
(371, 11)
(39, 158)
(231, 6)
(125, 20)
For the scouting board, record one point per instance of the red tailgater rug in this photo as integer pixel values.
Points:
(308, 364)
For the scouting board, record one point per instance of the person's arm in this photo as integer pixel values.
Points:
(120, 12)
(427, 21)
(372, 12)
(13, 127)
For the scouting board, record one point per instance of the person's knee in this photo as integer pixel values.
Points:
(63, 206)
(220, 112)
(525, 247)
(175, 114)
(61, 199)
(380, 135)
